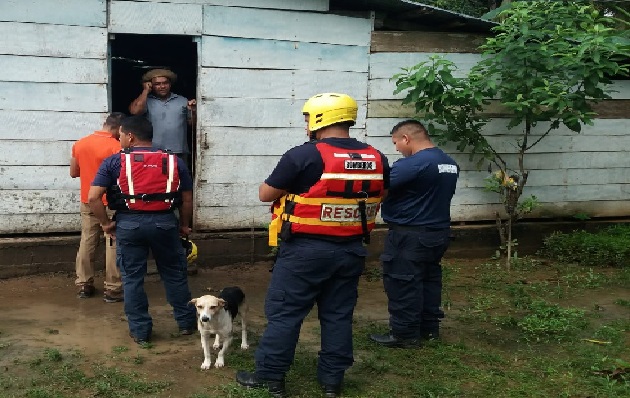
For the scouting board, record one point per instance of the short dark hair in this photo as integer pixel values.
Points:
(138, 126)
(412, 125)
(113, 120)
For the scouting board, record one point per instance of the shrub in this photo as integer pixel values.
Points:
(546, 321)
(607, 247)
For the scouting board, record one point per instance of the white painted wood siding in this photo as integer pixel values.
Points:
(258, 69)
(52, 92)
(155, 18)
(60, 12)
(296, 26)
(569, 172)
(304, 5)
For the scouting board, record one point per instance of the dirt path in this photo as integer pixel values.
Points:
(39, 312)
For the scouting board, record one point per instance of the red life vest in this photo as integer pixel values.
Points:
(332, 206)
(148, 181)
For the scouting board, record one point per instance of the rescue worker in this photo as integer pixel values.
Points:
(417, 210)
(145, 185)
(327, 193)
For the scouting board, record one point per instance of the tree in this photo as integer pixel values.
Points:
(548, 63)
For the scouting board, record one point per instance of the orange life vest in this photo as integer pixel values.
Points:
(148, 181)
(343, 203)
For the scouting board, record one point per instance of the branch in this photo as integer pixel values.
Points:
(546, 133)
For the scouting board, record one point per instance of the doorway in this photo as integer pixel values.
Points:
(132, 55)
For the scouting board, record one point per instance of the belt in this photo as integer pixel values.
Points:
(415, 228)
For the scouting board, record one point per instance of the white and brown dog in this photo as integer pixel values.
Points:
(215, 315)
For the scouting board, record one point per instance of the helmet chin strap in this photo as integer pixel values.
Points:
(313, 136)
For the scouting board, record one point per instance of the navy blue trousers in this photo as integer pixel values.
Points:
(412, 277)
(309, 271)
(136, 234)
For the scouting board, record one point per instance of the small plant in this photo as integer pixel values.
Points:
(119, 349)
(622, 302)
(53, 354)
(607, 247)
(547, 321)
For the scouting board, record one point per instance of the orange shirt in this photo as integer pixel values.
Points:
(89, 152)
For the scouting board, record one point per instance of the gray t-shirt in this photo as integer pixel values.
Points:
(170, 122)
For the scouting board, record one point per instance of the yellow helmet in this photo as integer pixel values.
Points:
(191, 250)
(329, 108)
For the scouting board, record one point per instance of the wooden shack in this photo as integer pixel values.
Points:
(251, 65)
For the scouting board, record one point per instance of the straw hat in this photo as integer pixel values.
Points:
(170, 75)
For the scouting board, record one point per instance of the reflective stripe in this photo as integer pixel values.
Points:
(348, 176)
(337, 201)
(316, 221)
(129, 179)
(171, 171)
(347, 155)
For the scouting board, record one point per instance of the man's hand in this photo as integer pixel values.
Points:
(184, 231)
(110, 228)
(147, 86)
(192, 104)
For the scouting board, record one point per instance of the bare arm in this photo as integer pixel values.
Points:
(139, 105)
(185, 213)
(95, 202)
(74, 168)
(267, 193)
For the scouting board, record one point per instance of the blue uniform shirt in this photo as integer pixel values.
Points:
(109, 171)
(301, 167)
(421, 188)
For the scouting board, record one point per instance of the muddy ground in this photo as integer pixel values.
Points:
(42, 311)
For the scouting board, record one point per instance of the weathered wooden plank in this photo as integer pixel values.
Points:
(60, 12)
(463, 213)
(236, 169)
(269, 141)
(155, 18)
(238, 194)
(233, 52)
(255, 112)
(48, 125)
(386, 65)
(40, 223)
(310, 5)
(36, 177)
(213, 218)
(545, 194)
(36, 153)
(533, 161)
(549, 178)
(621, 89)
(53, 96)
(232, 217)
(609, 109)
(294, 84)
(53, 40)
(436, 42)
(38, 201)
(286, 25)
(53, 70)
(601, 128)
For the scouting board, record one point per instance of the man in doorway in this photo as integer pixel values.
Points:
(87, 155)
(417, 211)
(169, 113)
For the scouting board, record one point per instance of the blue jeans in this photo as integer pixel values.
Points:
(309, 271)
(412, 277)
(135, 235)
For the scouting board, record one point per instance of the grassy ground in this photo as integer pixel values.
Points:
(543, 329)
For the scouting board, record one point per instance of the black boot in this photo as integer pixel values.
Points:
(331, 390)
(250, 380)
(389, 340)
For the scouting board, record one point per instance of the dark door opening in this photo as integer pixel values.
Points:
(133, 55)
